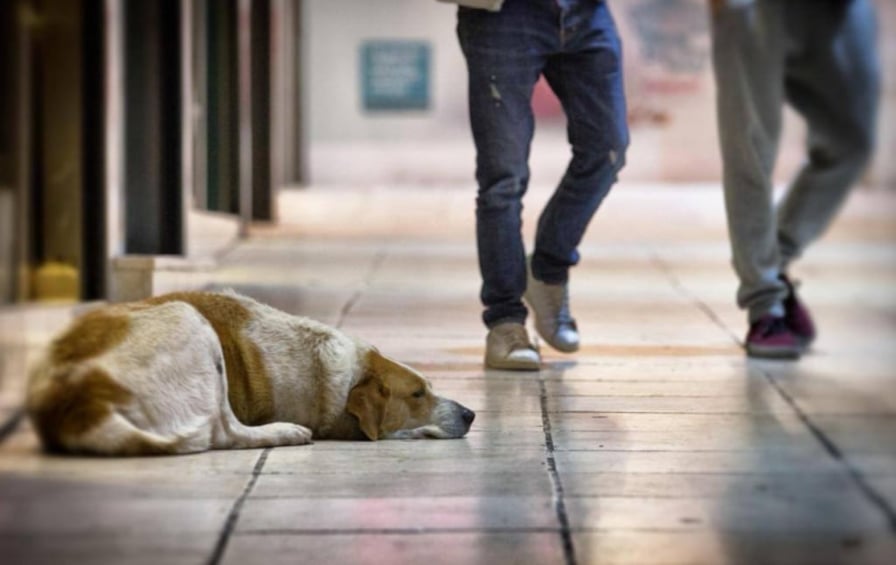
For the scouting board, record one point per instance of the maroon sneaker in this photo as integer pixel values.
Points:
(797, 315)
(770, 337)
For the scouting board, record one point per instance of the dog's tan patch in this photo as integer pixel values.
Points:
(389, 397)
(249, 388)
(367, 402)
(405, 384)
(73, 404)
(89, 336)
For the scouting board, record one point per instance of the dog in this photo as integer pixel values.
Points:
(192, 371)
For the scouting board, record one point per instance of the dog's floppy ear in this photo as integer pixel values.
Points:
(367, 402)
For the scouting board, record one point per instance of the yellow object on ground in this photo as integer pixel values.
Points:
(55, 281)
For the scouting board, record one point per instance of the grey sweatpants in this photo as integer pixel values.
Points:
(819, 56)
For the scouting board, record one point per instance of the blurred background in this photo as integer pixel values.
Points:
(134, 129)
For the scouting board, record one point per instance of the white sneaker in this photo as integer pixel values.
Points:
(508, 347)
(550, 305)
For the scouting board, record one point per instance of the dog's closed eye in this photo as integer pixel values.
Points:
(420, 393)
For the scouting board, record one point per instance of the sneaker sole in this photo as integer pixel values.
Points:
(508, 365)
(774, 352)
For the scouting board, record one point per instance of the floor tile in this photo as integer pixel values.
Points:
(695, 462)
(710, 548)
(407, 514)
(132, 548)
(112, 515)
(815, 513)
(696, 485)
(530, 481)
(479, 548)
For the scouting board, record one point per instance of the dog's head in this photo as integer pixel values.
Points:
(392, 401)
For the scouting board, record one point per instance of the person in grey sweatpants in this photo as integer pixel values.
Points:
(818, 56)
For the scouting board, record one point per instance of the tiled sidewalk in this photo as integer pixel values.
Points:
(657, 443)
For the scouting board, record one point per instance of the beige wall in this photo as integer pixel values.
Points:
(883, 170)
(670, 94)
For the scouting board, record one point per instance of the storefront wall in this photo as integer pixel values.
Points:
(668, 79)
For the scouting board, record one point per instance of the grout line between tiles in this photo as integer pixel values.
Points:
(234, 515)
(664, 267)
(375, 265)
(684, 531)
(569, 552)
(874, 497)
(670, 413)
(395, 531)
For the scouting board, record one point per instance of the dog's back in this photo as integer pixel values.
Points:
(106, 384)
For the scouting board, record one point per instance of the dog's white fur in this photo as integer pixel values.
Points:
(161, 384)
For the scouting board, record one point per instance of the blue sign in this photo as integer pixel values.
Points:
(395, 75)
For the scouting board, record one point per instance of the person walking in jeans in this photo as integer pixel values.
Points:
(818, 56)
(508, 46)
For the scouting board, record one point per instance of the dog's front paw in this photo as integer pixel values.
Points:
(293, 434)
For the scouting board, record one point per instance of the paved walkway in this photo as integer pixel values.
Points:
(657, 443)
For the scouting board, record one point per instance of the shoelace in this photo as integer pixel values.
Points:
(516, 338)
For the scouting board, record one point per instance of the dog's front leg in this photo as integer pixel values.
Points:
(232, 434)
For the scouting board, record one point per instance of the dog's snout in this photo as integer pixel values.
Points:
(468, 416)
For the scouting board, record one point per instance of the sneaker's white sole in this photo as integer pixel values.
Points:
(511, 365)
(773, 352)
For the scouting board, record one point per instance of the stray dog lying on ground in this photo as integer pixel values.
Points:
(192, 371)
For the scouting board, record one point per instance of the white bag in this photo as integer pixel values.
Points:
(490, 5)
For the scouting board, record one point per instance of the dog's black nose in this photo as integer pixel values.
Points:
(468, 416)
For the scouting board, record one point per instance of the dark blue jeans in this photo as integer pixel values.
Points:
(574, 44)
